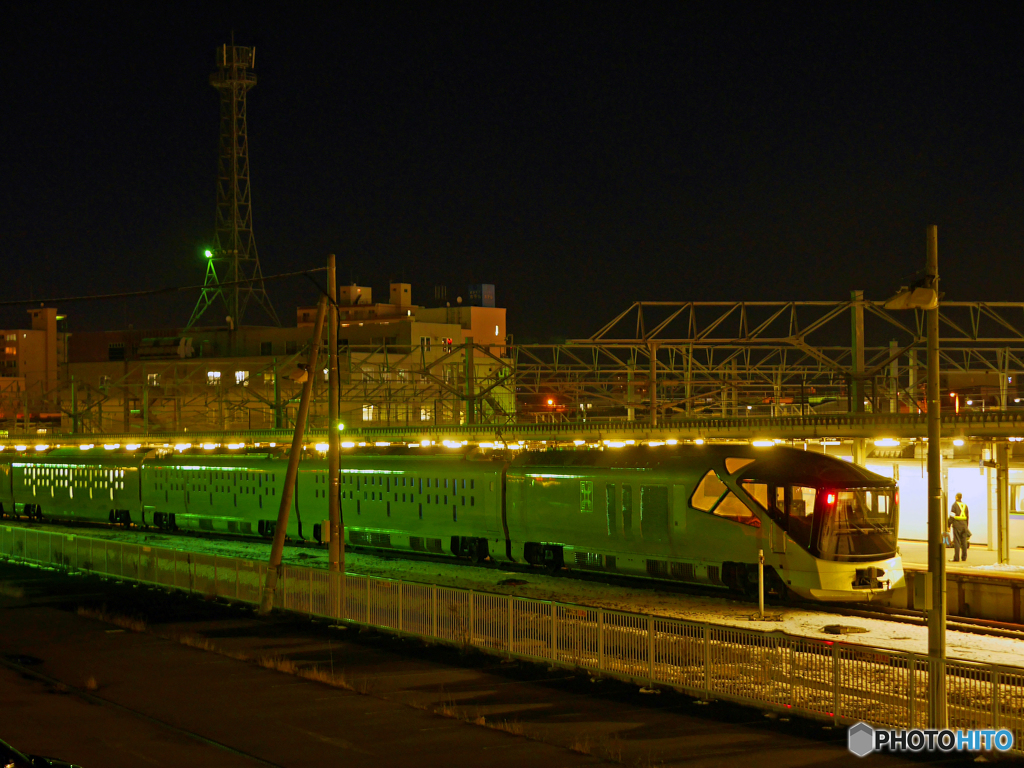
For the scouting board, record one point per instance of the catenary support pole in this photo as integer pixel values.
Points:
(1003, 503)
(333, 436)
(468, 373)
(936, 514)
(857, 351)
(288, 491)
(652, 385)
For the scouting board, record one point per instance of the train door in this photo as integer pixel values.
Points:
(678, 523)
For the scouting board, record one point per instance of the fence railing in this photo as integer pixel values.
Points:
(815, 678)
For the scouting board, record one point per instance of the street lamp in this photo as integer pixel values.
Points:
(925, 296)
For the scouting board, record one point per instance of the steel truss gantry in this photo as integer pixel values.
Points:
(655, 363)
(672, 359)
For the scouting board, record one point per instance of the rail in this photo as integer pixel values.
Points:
(819, 679)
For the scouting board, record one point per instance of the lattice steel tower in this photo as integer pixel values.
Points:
(233, 256)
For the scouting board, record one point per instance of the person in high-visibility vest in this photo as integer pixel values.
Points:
(959, 516)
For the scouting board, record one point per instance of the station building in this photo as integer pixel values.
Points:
(31, 361)
(399, 363)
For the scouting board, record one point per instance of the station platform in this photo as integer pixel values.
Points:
(980, 588)
(979, 559)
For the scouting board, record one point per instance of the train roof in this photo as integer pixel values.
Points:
(93, 457)
(778, 464)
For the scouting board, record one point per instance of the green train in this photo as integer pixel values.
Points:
(693, 514)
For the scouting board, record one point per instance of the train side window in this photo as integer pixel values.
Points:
(1016, 498)
(586, 495)
(708, 492)
(627, 511)
(609, 505)
(654, 512)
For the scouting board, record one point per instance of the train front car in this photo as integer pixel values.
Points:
(701, 515)
(834, 527)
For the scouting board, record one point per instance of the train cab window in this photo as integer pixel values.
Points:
(712, 495)
(757, 491)
(708, 492)
(654, 512)
(731, 508)
(734, 465)
(627, 511)
(609, 505)
(800, 513)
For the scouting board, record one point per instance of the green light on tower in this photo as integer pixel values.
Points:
(209, 254)
(340, 426)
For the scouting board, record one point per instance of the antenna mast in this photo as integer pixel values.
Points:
(233, 257)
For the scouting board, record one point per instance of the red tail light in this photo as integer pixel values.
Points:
(897, 497)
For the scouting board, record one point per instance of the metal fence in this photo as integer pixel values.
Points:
(815, 678)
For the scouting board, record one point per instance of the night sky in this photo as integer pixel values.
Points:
(579, 157)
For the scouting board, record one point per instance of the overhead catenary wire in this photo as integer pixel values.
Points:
(155, 291)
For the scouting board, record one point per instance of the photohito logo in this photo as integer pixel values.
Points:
(862, 739)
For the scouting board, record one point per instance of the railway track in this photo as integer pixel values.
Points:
(857, 610)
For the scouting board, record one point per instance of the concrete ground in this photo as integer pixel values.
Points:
(96, 693)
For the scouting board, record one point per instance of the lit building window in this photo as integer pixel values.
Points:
(213, 377)
(241, 377)
(369, 412)
(153, 379)
(425, 414)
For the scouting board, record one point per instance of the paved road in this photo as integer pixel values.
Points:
(86, 690)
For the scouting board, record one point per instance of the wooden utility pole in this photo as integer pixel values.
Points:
(288, 491)
(335, 542)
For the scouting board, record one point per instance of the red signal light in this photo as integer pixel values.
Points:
(830, 499)
(897, 497)
(551, 402)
